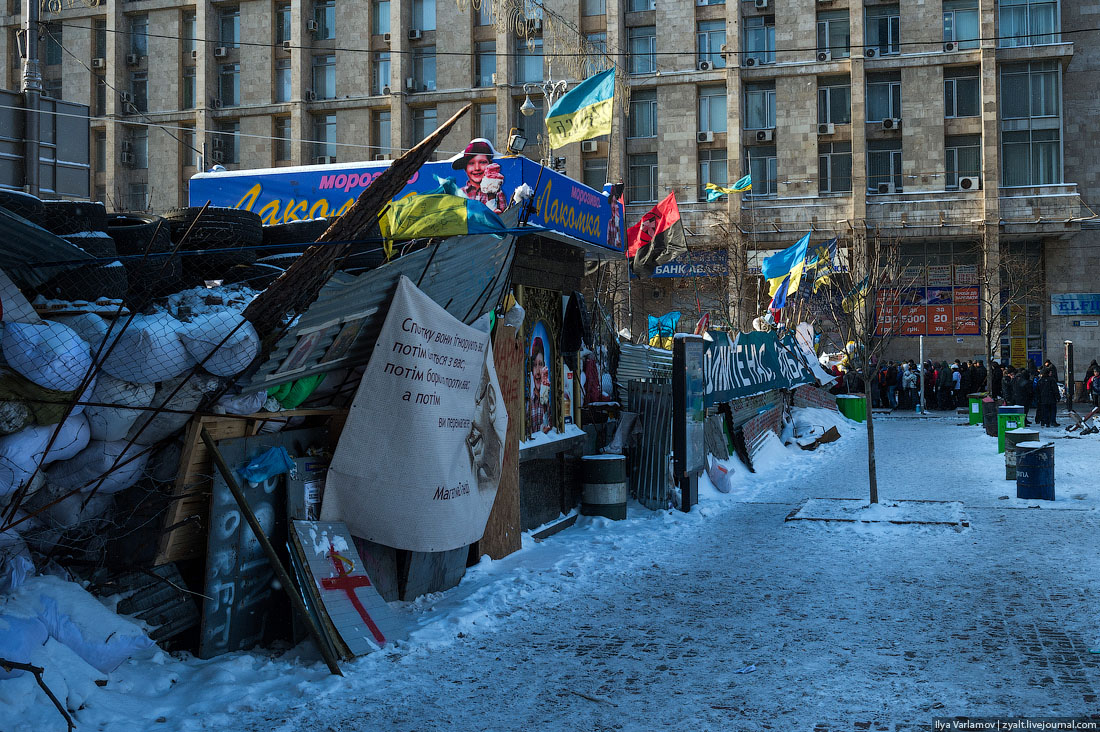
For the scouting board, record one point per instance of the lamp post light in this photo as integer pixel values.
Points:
(551, 90)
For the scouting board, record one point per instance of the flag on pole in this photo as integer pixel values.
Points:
(779, 298)
(656, 239)
(714, 192)
(703, 325)
(583, 113)
(819, 264)
(790, 261)
(854, 300)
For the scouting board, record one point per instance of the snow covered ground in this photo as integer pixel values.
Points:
(727, 618)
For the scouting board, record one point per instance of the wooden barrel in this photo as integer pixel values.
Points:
(603, 486)
(1035, 470)
(1012, 439)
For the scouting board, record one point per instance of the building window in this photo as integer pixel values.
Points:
(100, 34)
(594, 174)
(190, 155)
(227, 142)
(642, 178)
(424, 123)
(282, 139)
(139, 38)
(643, 49)
(100, 147)
(380, 81)
(54, 43)
(883, 96)
(833, 34)
(760, 106)
(712, 109)
(834, 100)
(380, 132)
(643, 114)
(485, 13)
(139, 89)
(529, 60)
(324, 137)
(762, 164)
(229, 27)
(485, 63)
(596, 50)
(189, 88)
(324, 15)
(380, 17)
(282, 23)
(1031, 124)
(639, 6)
(964, 158)
(139, 138)
(487, 121)
(960, 23)
(423, 15)
(590, 7)
(710, 2)
(324, 76)
(760, 40)
(712, 169)
(229, 85)
(1028, 23)
(834, 167)
(283, 89)
(961, 92)
(424, 69)
(710, 38)
(884, 166)
(884, 29)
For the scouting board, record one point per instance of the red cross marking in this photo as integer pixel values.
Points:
(349, 585)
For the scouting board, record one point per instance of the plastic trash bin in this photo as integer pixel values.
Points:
(1035, 470)
(975, 401)
(1008, 418)
(852, 406)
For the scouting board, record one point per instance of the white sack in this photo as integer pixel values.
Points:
(204, 334)
(186, 400)
(89, 326)
(83, 471)
(70, 511)
(20, 454)
(148, 350)
(241, 403)
(71, 439)
(51, 355)
(112, 423)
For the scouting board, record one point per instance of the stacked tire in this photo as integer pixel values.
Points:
(103, 278)
(145, 243)
(233, 230)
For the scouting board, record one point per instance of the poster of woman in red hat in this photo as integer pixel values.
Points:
(485, 182)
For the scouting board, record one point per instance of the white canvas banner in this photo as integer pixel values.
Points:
(420, 457)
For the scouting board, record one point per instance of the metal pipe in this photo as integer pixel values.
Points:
(32, 98)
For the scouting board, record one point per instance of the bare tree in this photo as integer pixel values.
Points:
(864, 305)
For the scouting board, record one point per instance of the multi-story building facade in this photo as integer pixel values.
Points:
(956, 128)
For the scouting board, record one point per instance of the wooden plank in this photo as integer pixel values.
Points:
(502, 531)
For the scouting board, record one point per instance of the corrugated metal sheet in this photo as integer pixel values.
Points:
(642, 362)
(23, 244)
(465, 274)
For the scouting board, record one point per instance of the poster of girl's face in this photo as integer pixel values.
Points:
(539, 360)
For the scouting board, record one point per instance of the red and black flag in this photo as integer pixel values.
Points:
(656, 239)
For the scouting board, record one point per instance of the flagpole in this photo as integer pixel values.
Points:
(752, 218)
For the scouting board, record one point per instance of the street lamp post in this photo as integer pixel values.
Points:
(551, 90)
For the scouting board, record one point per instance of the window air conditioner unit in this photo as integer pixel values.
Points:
(765, 135)
(381, 156)
(950, 46)
(970, 183)
(704, 136)
(127, 146)
(133, 59)
(286, 45)
(750, 61)
(885, 188)
(216, 103)
(386, 37)
(195, 55)
(410, 84)
(891, 123)
(311, 26)
(415, 34)
(221, 52)
(324, 159)
(704, 65)
(588, 146)
(869, 53)
(826, 128)
(217, 157)
(824, 55)
(310, 95)
(125, 97)
(126, 158)
(99, 63)
(219, 144)
(761, 4)
(385, 90)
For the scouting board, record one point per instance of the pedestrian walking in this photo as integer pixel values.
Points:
(1024, 391)
(1047, 399)
(956, 385)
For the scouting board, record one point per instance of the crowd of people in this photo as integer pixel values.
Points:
(946, 386)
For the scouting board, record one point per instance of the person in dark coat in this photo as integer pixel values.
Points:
(1024, 391)
(1048, 364)
(998, 376)
(981, 376)
(1047, 399)
(944, 387)
(929, 385)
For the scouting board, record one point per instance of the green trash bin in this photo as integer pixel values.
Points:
(975, 407)
(1008, 418)
(852, 406)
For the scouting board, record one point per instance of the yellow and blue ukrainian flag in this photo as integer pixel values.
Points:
(583, 113)
(439, 212)
(788, 262)
(714, 192)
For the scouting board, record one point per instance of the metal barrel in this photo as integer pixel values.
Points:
(1012, 439)
(1035, 470)
(603, 486)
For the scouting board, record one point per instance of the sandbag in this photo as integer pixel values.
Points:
(241, 403)
(21, 396)
(14, 416)
(71, 439)
(51, 355)
(84, 471)
(186, 401)
(112, 423)
(148, 350)
(20, 454)
(90, 327)
(71, 511)
(205, 332)
(15, 562)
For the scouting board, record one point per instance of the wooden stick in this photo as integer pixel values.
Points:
(269, 550)
(37, 671)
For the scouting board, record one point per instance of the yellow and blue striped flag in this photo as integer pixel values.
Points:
(439, 212)
(583, 113)
(714, 192)
(790, 261)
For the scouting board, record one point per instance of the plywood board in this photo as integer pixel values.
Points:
(502, 530)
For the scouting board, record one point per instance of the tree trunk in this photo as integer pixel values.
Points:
(872, 477)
